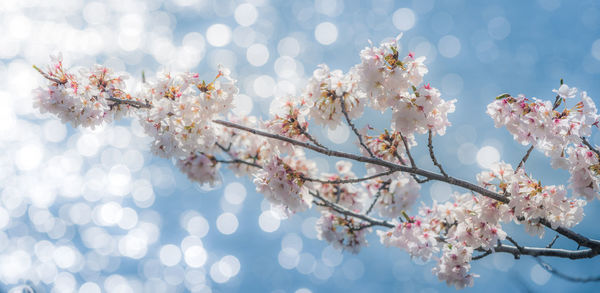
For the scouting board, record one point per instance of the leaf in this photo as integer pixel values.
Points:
(502, 96)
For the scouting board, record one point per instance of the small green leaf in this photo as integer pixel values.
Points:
(502, 96)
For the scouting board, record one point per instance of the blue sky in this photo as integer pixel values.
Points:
(60, 187)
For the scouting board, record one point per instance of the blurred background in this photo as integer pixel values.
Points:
(94, 211)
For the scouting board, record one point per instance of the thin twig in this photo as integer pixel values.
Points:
(552, 242)
(360, 140)
(353, 180)
(553, 271)
(383, 186)
(48, 77)
(410, 157)
(477, 257)
(432, 154)
(310, 137)
(238, 161)
(524, 159)
(344, 211)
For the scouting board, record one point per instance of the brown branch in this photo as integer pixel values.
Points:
(344, 211)
(353, 180)
(377, 195)
(559, 274)
(410, 157)
(238, 161)
(524, 159)
(432, 154)
(310, 137)
(360, 140)
(542, 251)
(332, 153)
(48, 77)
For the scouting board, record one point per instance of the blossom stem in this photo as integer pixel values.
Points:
(353, 180)
(358, 135)
(524, 159)
(432, 154)
(342, 210)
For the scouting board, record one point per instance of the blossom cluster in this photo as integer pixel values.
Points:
(183, 107)
(348, 195)
(454, 266)
(342, 232)
(83, 97)
(282, 183)
(530, 200)
(390, 82)
(558, 133)
(395, 195)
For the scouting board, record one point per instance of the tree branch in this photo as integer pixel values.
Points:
(580, 239)
(432, 155)
(524, 159)
(375, 161)
(344, 211)
(542, 251)
(559, 274)
(353, 180)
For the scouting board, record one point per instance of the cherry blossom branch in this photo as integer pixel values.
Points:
(358, 135)
(541, 251)
(48, 77)
(332, 153)
(432, 155)
(353, 180)
(578, 238)
(342, 210)
(310, 137)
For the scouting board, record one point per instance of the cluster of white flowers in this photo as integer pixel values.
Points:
(537, 122)
(530, 200)
(345, 194)
(342, 232)
(391, 83)
(183, 107)
(324, 92)
(243, 145)
(584, 166)
(289, 120)
(396, 195)
(454, 266)
(418, 238)
(472, 220)
(282, 184)
(200, 168)
(557, 133)
(85, 97)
